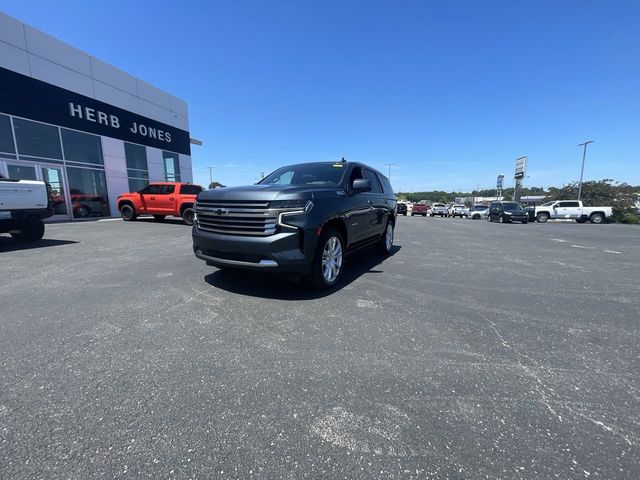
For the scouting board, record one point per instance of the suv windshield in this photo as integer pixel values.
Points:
(548, 204)
(479, 207)
(329, 174)
(511, 207)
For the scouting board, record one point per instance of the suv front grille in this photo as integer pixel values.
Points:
(236, 217)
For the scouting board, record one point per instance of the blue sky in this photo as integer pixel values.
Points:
(453, 92)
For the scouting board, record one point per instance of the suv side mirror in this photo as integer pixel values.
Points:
(361, 185)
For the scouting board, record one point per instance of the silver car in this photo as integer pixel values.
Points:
(478, 212)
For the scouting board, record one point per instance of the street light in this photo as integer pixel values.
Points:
(210, 174)
(584, 155)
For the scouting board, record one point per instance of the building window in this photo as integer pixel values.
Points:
(88, 191)
(171, 167)
(6, 136)
(81, 147)
(137, 168)
(37, 139)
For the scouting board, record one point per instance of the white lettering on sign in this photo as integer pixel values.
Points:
(90, 114)
(97, 116)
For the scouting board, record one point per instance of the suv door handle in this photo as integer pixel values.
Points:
(152, 198)
(171, 198)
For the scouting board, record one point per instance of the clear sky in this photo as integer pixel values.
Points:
(452, 92)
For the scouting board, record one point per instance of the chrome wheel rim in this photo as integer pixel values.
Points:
(331, 259)
(389, 237)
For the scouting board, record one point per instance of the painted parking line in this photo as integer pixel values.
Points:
(580, 246)
(611, 251)
(560, 240)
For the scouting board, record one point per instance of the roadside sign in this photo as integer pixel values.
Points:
(500, 181)
(521, 166)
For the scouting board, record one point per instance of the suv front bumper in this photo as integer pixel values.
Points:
(288, 251)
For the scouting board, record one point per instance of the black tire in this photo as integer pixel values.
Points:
(384, 247)
(128, 213)
(82, 212)
(316, 278)
(581, 220)
(412, 214)
(424, 214)
(30, 231)
(188, 216)
(596, 218)
(500, 219)
(405, 214)
(525, 221)
(542, 217)
(159, 218)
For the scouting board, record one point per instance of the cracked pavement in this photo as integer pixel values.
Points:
(477, 350)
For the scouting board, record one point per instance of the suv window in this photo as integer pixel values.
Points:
(190, 189)
(356, 174)
(151, 190)
(386, 185)
(373, 178)
(568, 204)
(167, 189)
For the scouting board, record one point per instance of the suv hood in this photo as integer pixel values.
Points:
(262, 192)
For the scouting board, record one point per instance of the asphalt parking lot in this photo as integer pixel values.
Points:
(477, 350)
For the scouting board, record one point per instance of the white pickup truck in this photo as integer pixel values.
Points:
(23, 206)
(573, 210)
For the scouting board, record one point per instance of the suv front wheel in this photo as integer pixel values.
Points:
(328, 260)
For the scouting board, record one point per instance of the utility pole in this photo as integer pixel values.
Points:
(210, 174)
(584, 155)
(390, 165)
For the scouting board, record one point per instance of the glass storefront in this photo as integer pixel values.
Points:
(171, 166)
(137, 167)
(70, 162)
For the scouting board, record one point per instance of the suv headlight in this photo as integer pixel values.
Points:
(301, 204)
(292, 206)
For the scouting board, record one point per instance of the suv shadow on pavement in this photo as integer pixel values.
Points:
(284, 287)
(7, 244)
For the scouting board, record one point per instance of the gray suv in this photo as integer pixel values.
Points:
(300, 219)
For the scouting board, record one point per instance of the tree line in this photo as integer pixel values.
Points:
(619, 195)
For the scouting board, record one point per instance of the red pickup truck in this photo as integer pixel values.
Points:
(419, 209)
(160, 199)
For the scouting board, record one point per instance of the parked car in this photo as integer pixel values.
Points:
(401, 208)
(439, 209)
(478, 212)
(419, 209)
(571, 209)
(458, 210)
(160, 199)
(301, 218)
(23, 206)
(505, 212)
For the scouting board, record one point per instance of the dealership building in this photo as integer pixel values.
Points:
(87, 128)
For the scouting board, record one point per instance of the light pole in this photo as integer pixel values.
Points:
(390, 165)
(210, 174)
(584, 155)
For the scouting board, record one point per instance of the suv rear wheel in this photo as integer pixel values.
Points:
(29, 231)
(328, 261)
(385, 244)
